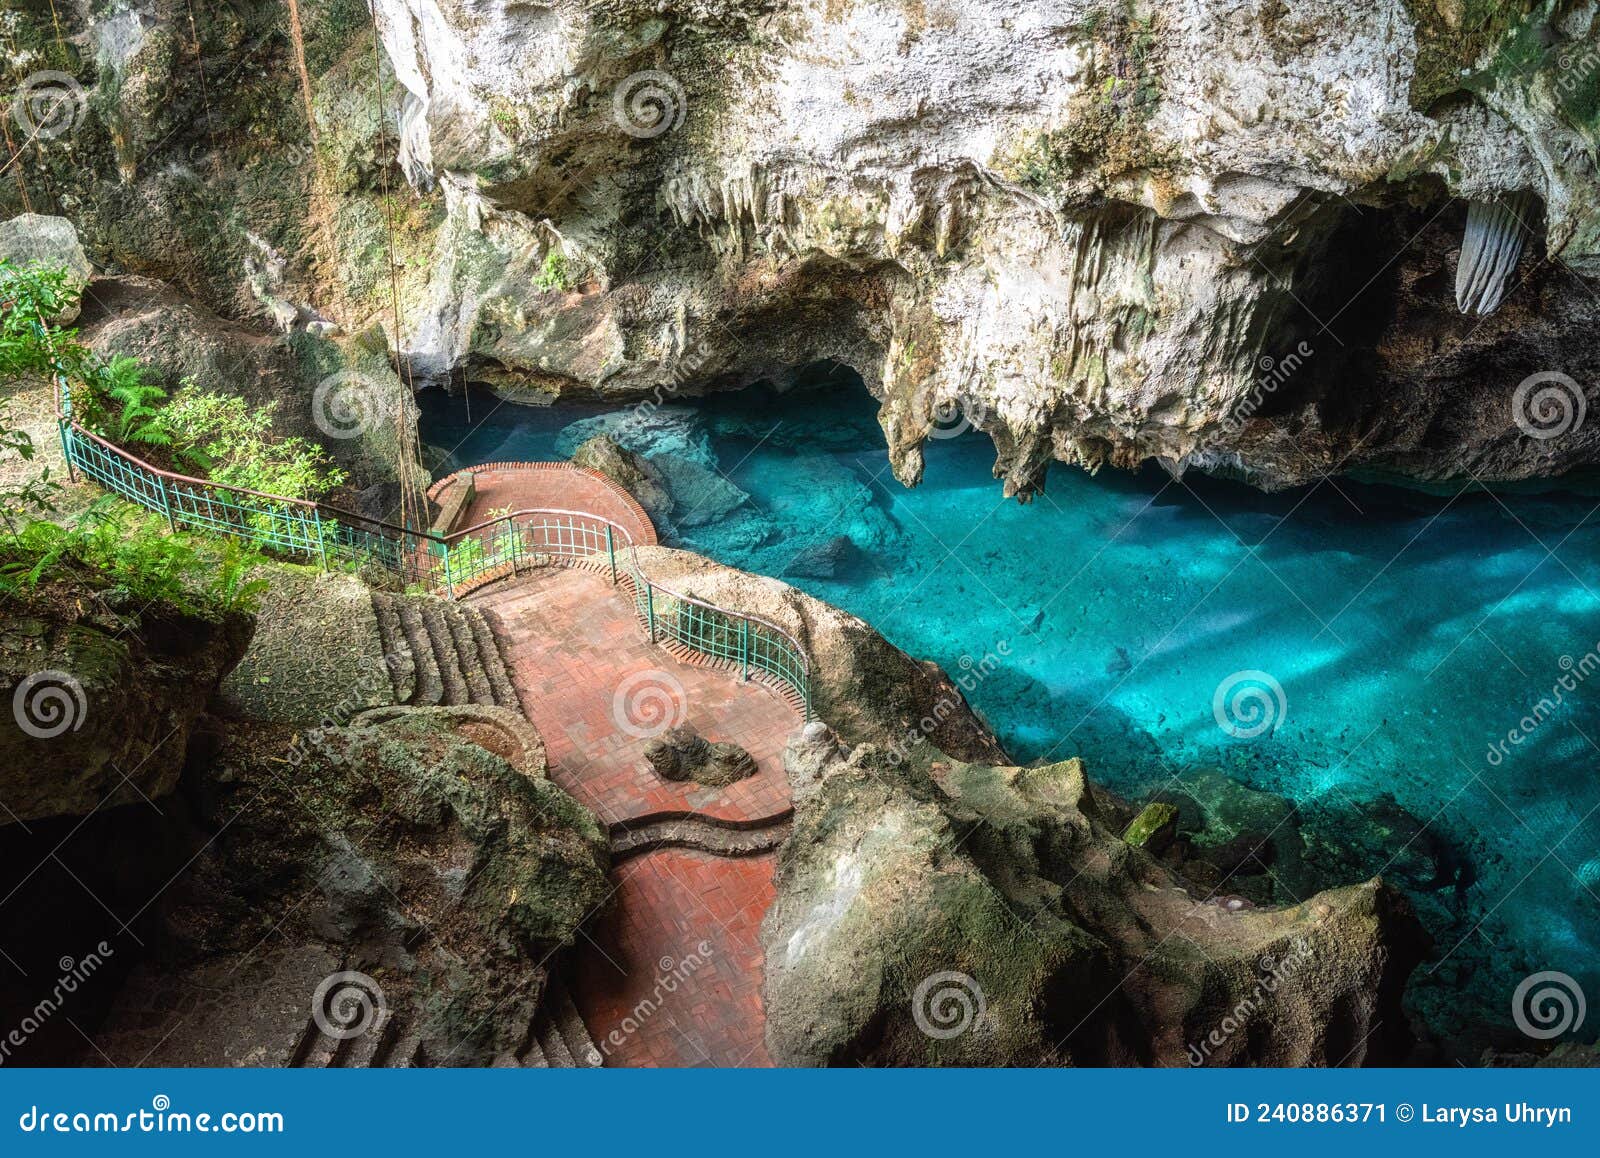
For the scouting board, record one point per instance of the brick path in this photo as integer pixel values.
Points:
(673, 975)
(585, 673)
(514, 486)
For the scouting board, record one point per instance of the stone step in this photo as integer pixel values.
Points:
(466, 646)
(374, 1049)
(494, 663)
(315, 1049)
(429, 686)
(402, 665)
(552, 1046)
(699, 834)
(533, 1056)
(574, 1033)
(444, 651)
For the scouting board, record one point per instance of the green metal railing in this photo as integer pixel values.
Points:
(443, 564)
(521, 538)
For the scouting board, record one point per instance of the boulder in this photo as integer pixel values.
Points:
(964, 914)
(1154, 828)
(35, 239)
(681, 753)
(103, 693)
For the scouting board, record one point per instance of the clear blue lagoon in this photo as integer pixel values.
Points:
(1409, 633)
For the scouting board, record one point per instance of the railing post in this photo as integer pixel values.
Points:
(744, 647)
(166, 504)
(322, 543)
(67, 447)
(650, 608)
(449, 581)
(611, 553)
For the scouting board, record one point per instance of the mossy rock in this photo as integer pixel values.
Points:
(1154, 828)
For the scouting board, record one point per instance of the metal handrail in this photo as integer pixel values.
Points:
(215, 508)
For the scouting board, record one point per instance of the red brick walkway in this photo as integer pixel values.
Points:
(673, 976)
(596, 688)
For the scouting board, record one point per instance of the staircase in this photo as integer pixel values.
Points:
(630, 838)
(447, 653)
(556, 1039)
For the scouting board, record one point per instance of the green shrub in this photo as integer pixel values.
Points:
(134, 551)
(233, 443)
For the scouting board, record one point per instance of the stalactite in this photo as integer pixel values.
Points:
(1495, 234)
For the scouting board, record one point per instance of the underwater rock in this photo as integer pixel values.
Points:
(700, 494)
(648, 431)
(632, 472)
(821, 560)
(1155, 828)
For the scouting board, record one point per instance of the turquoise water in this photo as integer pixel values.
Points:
(1408, 633)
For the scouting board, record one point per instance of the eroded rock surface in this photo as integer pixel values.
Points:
(396, 850)
(1220, 236)
(102, 694)
(963, 914)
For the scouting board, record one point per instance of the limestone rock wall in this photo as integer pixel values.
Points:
(1102, 231)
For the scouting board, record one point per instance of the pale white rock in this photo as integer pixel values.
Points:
(1086, 224)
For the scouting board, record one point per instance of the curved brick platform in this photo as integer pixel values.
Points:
(577, 656)
(503, 486)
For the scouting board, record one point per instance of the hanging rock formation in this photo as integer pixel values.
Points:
(1218, 235)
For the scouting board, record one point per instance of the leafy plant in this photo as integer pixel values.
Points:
(234, 443)
(135, 552)
(137, 416)
(555, 273)
(28, 297)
